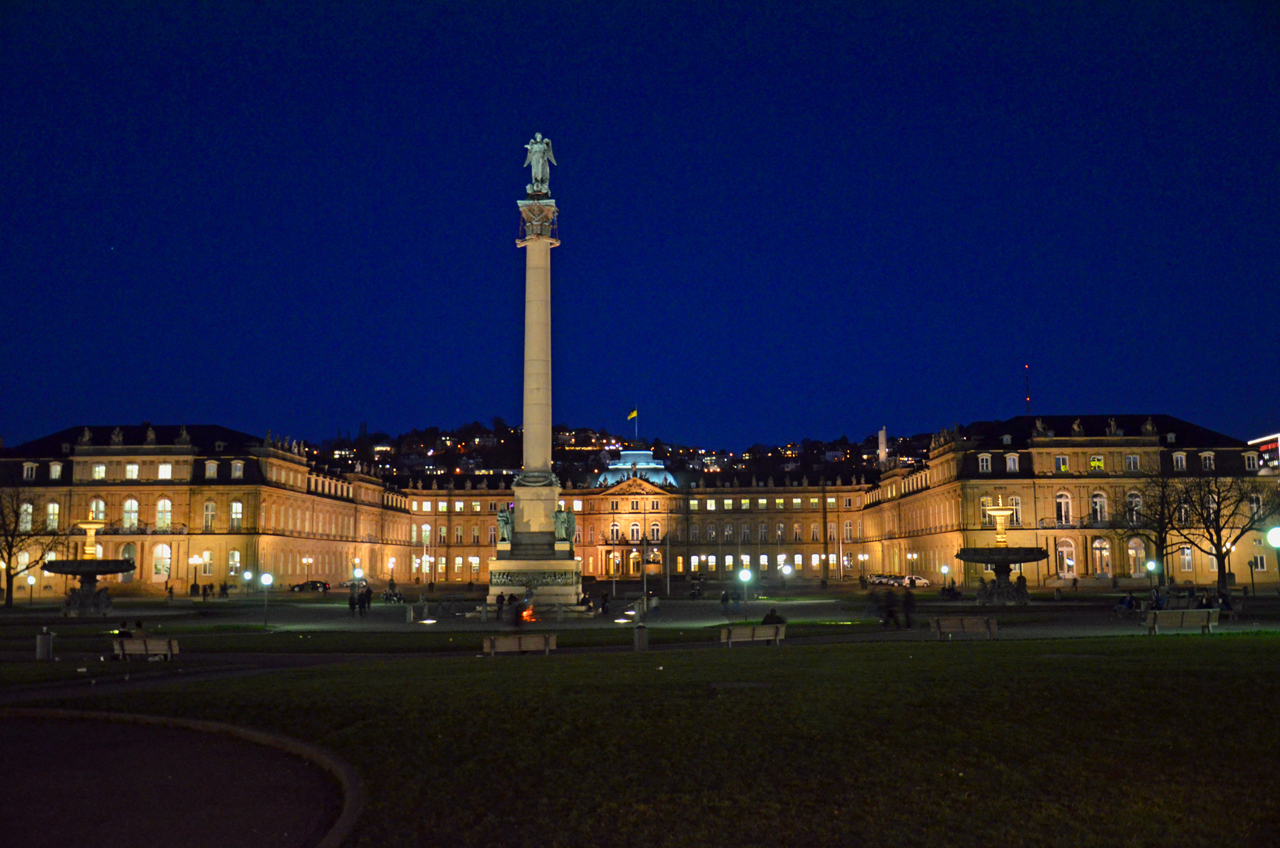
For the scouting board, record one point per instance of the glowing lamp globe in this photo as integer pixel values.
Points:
(744, 575)
(1273, 537)
(266, 580)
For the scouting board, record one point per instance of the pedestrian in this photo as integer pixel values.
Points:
(724, 603)
(908, 607)
(139, 632)
(1075, 584)
(124, 632)
(501, 600)
(772, 617)
(604, 604)
(352, 601)
(205, 591)
(890, 602)
(170, 591)
(368, 597)
(391, 585)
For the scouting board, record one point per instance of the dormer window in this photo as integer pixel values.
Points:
(1179, 462)
(1011, 462)
(1006, 439)
(237, 469)
(131, 471)
(211, 470)
(1170, 438)
(165, 471)
(1250, 462)
(28, 471)
(55, 471)
(1206, 461)
(984, 463)
(1060, 464)
(99, 471)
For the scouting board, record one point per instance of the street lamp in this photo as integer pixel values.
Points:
(266, 593)
(247, 575)
(31, 589)
(862, 564)
(745, 576)
(306, 561)
(946, 569)
(786, 572)
(193, 561)
(1273, 539)
(1151, 570)
(912, 558)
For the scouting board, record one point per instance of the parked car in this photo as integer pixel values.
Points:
(310, 586)
(879, 579)
(359, 582)
(919, 581)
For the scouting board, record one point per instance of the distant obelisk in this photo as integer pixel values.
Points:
(535, 547)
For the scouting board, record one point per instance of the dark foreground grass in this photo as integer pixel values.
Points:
(1166, 741)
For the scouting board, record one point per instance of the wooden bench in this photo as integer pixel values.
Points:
(519, 643)
(768, 633)
(1205, 619)
(963, 624)
(145, 647)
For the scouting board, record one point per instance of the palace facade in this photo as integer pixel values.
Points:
(203, 503)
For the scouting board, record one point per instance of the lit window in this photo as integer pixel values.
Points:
(1062, 504)
(779, 503)
(1184, 556)
(161, 557)
(164, 514)
(55, 469)
(414, 506)
(51, 517)
(1131, 462)
(1179, 462)
(237, 516)
(25, 513)
(458, 506)
(210, 511)
(206, 567)
(233, 563)
(762, 503)
(29, 471)
(475, 506)
(131, 471)
(984, 463)
(165, 471)
(1015, 520)
(1095, 463)
(442, 506)
(693, 505)
(1011, 462)
(130, 514)
(97, 510)
(984, 504)
(577, 506)
(1060, 464)
(237, 469)
(728, 503)
(711, 505)
(813, 503)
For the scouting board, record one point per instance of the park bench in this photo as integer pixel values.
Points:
(519, 643)
(145, 647)
(1205, 619)
(963, 624)
(767, 633)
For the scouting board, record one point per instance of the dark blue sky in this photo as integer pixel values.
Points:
(779, 220)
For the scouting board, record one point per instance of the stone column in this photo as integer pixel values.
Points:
(539, 219)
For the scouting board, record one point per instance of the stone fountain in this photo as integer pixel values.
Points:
(1002, 558)
(88, 599)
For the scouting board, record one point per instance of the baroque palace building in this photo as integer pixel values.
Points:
(202, 503)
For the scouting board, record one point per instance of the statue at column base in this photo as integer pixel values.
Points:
(536, 478)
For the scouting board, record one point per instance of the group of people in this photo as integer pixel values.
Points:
(138, 631)
(360, 600)
(885, 606)
(205, 590)
(512, 603)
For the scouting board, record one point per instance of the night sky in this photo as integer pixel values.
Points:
(779, 220)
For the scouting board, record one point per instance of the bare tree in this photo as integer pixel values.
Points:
(1152, 517)
(1216, 512)
(24, 530)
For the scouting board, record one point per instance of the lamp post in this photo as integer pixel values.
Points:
(306, 562)
(862, 564)
(945, 570)
(31, 589)
(1151, 570)
(193, 561)
(248, 576)
(745, 576)
(912, 558)
(266, 593)
(786, 572)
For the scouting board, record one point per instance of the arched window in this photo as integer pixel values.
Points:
(1101, 556)
(728, 534)
(98, 510)
(831, 531)
(210, 512)
(426, 533)
(237, 516)
(1062, 504)
(1098, 507)
(1137, 551)
(1015, 520)
(161, 559)
(711, 533)
(614, 530)
(781, 531)
(848, 531)
(654, 532)
(457, 536)
(233, 563)
(1133, 507)
(51, 516)
(129, 552)
(25, 512)
(206, 568)
(211, 470)
(985, 504)
(795, 532)
(130, 514)
(813, 533)
(164, 514)
(635, 532)
(1066, 558)
(693, 534)
(444, 535)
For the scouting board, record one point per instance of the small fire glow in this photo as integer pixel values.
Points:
(527, 615)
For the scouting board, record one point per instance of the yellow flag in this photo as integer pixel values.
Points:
(635, 413)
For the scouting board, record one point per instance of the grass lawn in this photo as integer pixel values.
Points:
(1144, 741)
